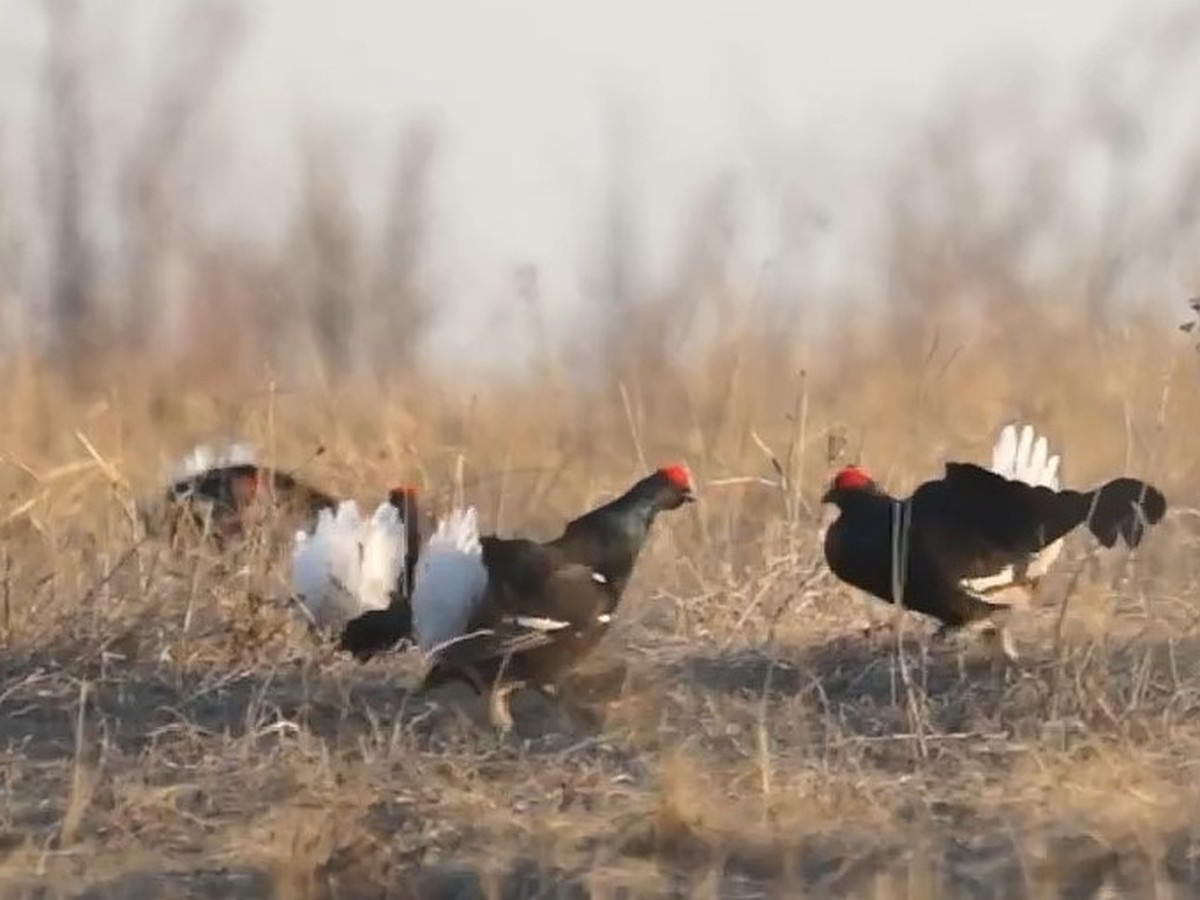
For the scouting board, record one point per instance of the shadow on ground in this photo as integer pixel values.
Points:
(183, 719)
(1071, 867)
(864, 685)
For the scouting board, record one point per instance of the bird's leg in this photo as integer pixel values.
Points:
(498, 708)
(1007, 645)
(993, 630)
(944, 635)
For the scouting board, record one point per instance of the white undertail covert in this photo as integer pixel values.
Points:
(450, 580)
(348, 565)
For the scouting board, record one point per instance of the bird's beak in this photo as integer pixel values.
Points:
(689, 496)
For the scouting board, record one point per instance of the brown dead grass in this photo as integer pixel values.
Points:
(167, 730)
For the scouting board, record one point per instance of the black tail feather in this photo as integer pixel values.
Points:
(1124, 508)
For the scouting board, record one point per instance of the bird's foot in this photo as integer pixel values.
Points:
(943, 634)
(1000, 640)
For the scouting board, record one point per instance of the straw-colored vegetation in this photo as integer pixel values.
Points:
(168, 729)
(167, 725)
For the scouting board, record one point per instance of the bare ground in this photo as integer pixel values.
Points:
(700, 768)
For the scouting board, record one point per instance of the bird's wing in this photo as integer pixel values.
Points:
(989, 530)
(450, 580)
(529, 609)
(288, 490)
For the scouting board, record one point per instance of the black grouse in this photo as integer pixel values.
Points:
(503, 613)
(973, 544)
(220, 494)
(539, 615)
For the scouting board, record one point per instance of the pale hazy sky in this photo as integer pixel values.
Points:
(784, 94)
(523, 90)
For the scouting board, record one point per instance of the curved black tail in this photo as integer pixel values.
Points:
(1124, 508)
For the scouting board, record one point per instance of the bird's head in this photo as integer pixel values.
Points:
(672, 487)
(849, 482)
(404, 498)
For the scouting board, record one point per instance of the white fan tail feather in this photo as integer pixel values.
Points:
(450, 580)
(1004, 453)
(311, 565)
(1023, 455)
(383, 549)
(328, 566)
(460, 530)
(203, 457)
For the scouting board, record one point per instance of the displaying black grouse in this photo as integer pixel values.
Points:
(539, 615)
(221, 495)
(964, 542)
(502, 613)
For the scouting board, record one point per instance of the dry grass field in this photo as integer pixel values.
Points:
(167, 729)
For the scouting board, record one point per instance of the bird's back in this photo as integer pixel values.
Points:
(978, 513)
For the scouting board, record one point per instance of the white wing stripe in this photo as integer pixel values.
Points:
(990, 582)
(538, 623)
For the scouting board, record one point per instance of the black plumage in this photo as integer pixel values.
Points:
(540, 615)
(545, 606)
(971, 525)
(609, 538)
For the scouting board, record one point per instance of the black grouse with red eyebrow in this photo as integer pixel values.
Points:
(970, 535)
(546, 606)
(219, 497)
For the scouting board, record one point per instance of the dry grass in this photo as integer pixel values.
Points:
(167, 730)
